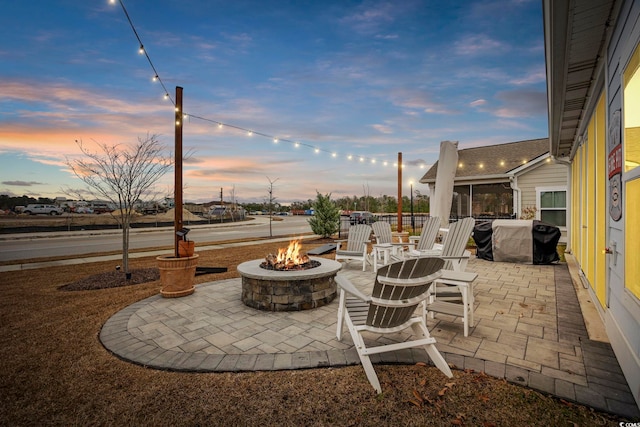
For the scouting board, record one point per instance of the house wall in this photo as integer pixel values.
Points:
(546, 174)
(621, 311)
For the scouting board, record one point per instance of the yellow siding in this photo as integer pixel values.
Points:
(591, 204)
(577, 223)
(600, 203)
(584, 249)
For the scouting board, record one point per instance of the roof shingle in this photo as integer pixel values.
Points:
(493, 159)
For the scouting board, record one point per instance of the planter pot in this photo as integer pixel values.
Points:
(186, 248)
(402, 237)
(177, 275)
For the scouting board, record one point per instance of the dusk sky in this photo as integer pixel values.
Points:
(366, 79)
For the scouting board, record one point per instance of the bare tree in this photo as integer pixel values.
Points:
(271, 202)
(123, 175)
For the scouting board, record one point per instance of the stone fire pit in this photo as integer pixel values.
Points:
(295, 290)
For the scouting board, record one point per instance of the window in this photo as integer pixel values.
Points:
(552, 205)
(631, 116)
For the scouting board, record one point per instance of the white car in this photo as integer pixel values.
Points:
(42, 209)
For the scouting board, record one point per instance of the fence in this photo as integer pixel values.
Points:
(414, 223)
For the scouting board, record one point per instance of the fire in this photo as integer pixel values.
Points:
(289, 258)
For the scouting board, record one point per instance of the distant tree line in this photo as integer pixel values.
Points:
(381, 204)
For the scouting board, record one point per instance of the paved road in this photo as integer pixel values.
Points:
(16, 247)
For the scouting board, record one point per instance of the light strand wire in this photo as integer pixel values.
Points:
(240, 128)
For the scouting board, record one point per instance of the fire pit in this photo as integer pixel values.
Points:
(288, 281)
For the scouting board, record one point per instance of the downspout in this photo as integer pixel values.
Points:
(517, 195)
(569, 206)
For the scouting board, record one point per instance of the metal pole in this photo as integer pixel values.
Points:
(413, 222)
(399, 192)
(178, 171)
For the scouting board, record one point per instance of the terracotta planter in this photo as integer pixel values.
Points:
(400, 237)
(186, 248)
(177, 275)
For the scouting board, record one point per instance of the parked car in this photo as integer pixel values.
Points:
(361, 217)
(42, 209)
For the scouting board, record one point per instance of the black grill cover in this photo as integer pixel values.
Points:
(545, 242)
(482, 235)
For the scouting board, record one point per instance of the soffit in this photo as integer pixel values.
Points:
(575, 38)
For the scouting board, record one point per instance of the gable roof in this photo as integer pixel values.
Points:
(479, 162)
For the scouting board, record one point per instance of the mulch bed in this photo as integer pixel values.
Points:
(113, 279)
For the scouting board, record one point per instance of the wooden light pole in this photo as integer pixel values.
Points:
(177, 192)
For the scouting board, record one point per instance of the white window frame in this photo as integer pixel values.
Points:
(540, 190)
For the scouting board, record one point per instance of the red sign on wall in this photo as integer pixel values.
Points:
(615, 161)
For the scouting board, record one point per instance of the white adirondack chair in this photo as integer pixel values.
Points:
(384, 244)
(398, 289)
(427, 237)
(356, 245)
(453, 292)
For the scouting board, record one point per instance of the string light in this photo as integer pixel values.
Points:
(220, 125)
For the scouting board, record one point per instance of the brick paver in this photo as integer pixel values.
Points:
(528, 329)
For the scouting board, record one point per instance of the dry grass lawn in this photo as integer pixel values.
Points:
(54, 371)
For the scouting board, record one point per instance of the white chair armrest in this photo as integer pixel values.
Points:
(348, 287)
(457, 276)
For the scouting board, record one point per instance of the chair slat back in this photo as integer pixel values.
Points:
(429, 233)
(358, 235)
(383, 316)
(382, 231)
(457, 238)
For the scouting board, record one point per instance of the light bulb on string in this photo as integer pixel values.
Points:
(296, 144)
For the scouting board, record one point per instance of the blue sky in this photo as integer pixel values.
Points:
(366, 79)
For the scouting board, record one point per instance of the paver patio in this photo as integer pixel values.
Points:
(528, 329)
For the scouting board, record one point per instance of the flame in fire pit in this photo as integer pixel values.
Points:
(289, 258)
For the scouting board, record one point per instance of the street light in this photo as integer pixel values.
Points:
(413, 222)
